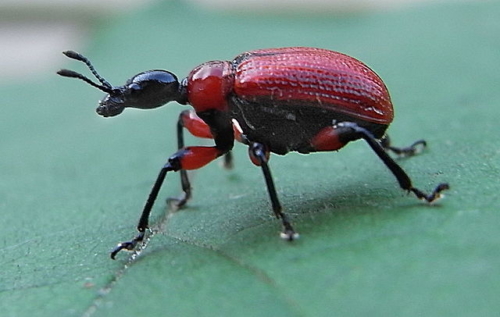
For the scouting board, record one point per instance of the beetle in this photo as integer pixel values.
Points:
(273, 100)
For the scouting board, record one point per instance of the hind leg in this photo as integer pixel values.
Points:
(335, 137)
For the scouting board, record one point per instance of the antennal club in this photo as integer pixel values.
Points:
(104, 86)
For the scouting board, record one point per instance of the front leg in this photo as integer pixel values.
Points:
(187, 158)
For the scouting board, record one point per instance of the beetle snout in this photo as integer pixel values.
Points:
(108, 107)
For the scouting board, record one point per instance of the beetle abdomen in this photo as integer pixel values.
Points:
(291, 128)
(313, 78)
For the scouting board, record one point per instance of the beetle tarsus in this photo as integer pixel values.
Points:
(289, 234)
(179, 202)
(414, 149)
(128, 246)
(435, 195)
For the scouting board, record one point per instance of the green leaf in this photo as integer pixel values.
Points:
(73, 184)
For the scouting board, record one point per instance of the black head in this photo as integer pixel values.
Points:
(146, 90)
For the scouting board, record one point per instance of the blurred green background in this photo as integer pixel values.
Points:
(73, 184)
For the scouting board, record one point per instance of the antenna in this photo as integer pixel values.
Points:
(104, 86)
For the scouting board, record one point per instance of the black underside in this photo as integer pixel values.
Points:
(285, 126)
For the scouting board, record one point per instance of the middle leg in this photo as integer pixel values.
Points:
(260, 156)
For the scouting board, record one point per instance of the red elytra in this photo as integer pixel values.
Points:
(316, 78)
(273, 100)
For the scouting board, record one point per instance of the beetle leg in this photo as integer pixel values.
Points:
(186, 158)
(143, 224)
(197, 127)
(260, 157)
(349, 131)
(415, 148)
(194, 124)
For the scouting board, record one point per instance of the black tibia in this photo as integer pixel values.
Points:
(185, 183)
(258, 151)
(349, 131)
(173, 164)
(415, 148)
(228, 160)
